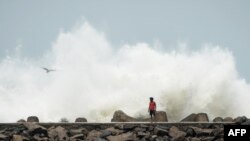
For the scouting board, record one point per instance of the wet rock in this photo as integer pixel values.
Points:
(34, 128)
(218, 132)
(58, 133)
(195, 139)
(208, 139)
(228, 119)
(176, 134)
(105, 133)
(81, 119)
(129, 136)
(247, 122)
(240, 120)
(160, 132)
(32, 119)
(114, 131)
(190, 132)
(202, 132)
(142, 134)
(120, 116)
(21, 121)
(93, 135)
(218, 119)
(160, 116)
(128, 127)
(200, 117)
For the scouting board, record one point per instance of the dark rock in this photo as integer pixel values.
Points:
(176, 134)
(129, 136)
(37, 138)
(81, 119)
(165, 138)
(144, 126)
(195, 139)
(240, 120)
(120, 116)
(105, 133)
(160, 132)
(128, 127)
(228, 119)
(190, 132)
(143, 134)
(208, 139)
(21, 121)
(33, 129)
(217, 132)
(32, 119)
(114, 131)
(200, 117)
(202, 132)
(247, 122)
(218, 119)
(139, 129)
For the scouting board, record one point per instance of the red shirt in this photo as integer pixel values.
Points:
(152, 105)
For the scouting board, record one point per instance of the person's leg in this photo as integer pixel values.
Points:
(151, 114)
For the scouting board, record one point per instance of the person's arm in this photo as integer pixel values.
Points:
(155, 106)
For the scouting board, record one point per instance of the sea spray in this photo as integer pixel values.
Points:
(93, 78)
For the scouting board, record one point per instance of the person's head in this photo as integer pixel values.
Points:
(151, 98)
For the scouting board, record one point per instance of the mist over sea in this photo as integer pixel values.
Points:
(93, 78)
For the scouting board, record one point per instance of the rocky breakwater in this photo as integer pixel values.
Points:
(196, 130)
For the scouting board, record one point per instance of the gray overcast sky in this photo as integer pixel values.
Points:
(36, 24)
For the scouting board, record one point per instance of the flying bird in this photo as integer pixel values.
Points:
(48, 70)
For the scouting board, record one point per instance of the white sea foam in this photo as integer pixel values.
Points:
(94, 78)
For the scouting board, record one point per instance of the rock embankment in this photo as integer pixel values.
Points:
(112, 132)
(195, 127)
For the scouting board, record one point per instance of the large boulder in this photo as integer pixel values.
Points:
(240, 120)
(218, 119)
(32, 119)
(120, 116)
(34, 129)
(92, 135)
(200, 117)
(81, 119)
(21, 121)
(176, 134)
(228, 119)
(58, 133)
(161, 116)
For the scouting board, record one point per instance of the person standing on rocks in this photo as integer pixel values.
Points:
(152, 108)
